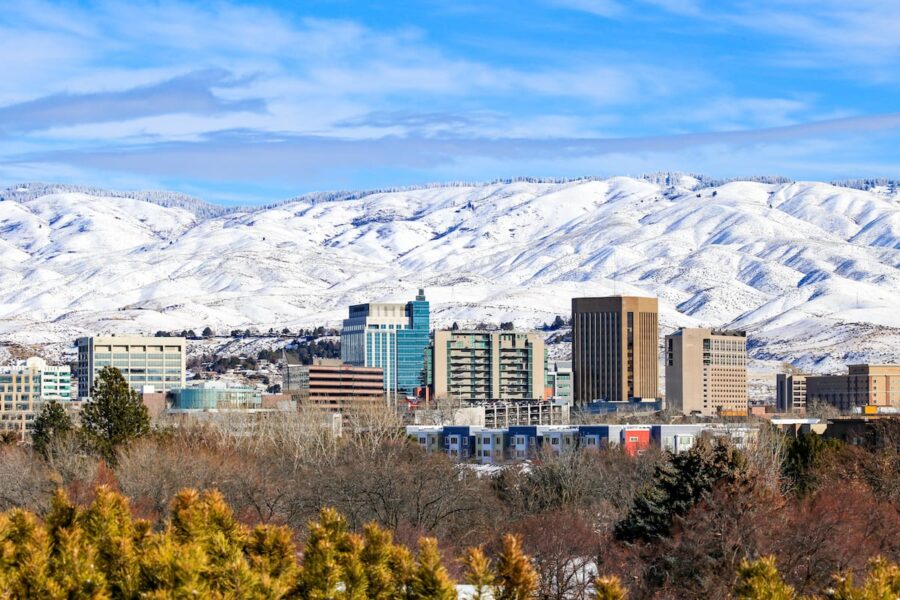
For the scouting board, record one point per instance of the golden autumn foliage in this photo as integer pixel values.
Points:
(101, 551)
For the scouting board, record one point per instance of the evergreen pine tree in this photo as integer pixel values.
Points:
(403, 568)
(678, 485)
(353, 570)
(320, 578)
(51, 423)
(431, 581)
(760, 580)
(114, 415)
(376, 558)
(609, 588)
(516, 578)
(478, 573)
(108, 524)
(882, 583)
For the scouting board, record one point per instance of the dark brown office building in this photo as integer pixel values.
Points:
(334, 386)
(615, 348)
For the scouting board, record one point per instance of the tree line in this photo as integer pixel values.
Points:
(203, 550)
(692, 525)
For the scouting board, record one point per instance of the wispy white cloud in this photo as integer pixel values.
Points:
(238, 90)
(822, 34)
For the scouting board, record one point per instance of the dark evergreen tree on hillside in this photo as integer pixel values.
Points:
(678, 485)
(51, 423)
(114, 415)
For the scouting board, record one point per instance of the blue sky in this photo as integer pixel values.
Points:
(241, 102)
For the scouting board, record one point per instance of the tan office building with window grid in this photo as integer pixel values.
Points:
(475, 366)
(615, 349)
(863, 385)
(157, 362)
(790, 393)
(706, 371)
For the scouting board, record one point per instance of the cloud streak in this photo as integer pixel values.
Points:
(191, 93)
(237, 155)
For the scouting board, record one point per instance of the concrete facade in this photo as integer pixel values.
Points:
(615, 349)
(494, 445)
(25, 387)
(560, 379)
(706, 371)
(334, 386)
(863, 385)
(145, 362)
(477, 366)
(790, 393)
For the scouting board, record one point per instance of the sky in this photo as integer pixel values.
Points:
(252, 102)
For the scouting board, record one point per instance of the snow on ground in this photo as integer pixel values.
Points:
(810, 270)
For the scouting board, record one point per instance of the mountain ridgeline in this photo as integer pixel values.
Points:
(811, 270)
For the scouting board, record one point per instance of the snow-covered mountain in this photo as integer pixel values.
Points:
(810, 270)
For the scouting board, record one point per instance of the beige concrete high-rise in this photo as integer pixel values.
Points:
(706, 371)
(615, 348)
(790, 393)
(473, 366)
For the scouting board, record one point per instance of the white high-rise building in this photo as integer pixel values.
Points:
(145, 362)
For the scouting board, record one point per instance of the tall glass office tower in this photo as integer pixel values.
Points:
(390, 336)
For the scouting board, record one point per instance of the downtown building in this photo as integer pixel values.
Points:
(392, 337)
(790, 393)
(25, 387)
(332, 386)
(864, 387)
(484, 366)
(146, 363)
(559, 380)
(615, 349)
(517, 443)
(706, 372)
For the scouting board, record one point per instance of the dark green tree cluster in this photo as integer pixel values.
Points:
(114, 416)
(225, 363)
(558, 323)
(803, 454)
(677, 486)
(53, 422)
